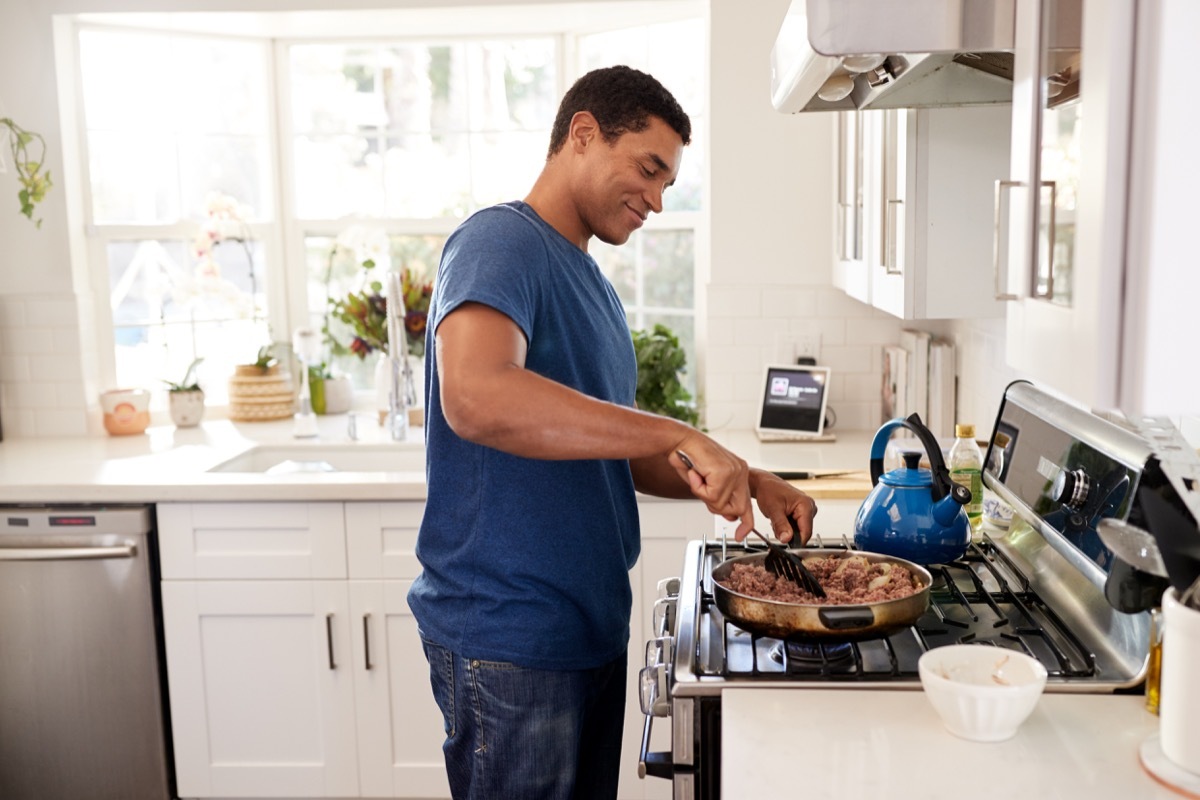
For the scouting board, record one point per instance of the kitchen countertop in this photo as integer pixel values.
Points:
(842, 745)
(171, 464)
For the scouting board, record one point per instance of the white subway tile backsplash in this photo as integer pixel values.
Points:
(54, 312)
(56, 422)
(31, 341)
(758, 332)
(789, 302)
(734, 301)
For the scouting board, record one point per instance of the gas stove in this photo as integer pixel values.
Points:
(1037, 587)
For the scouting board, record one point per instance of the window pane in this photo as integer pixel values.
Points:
(506, 164)
(618, 265)
(668, 257)
(435, 127)
(238, 166)
(428, 175)
(133, 178)
(153, 281)
(171, 117)
(338, 177)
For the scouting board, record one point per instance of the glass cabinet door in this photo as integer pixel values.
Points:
(1057, 165)
(850, 186)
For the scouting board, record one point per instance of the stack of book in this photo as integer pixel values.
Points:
(919, 377)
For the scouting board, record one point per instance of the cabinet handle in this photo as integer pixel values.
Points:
(891, 261)
(329, 639)
(1001, 188)
(367, 639)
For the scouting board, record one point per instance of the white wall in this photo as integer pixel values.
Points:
(770, 197)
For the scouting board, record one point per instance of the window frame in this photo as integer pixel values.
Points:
(281, 239)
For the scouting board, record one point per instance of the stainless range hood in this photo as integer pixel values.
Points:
(846, 54)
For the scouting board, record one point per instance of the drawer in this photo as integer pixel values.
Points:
(205, 541)
(382, 539)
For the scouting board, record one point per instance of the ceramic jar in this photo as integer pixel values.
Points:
(126, 411)
(187, 407)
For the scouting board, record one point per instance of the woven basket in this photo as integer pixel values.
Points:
(256, 395)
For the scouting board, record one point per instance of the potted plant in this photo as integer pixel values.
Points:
(260, 391)
(660, 361)
(186, 398)
(34, 181)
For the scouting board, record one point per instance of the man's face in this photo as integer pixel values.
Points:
(623, 182)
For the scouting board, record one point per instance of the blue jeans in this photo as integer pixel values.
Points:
(527, 734)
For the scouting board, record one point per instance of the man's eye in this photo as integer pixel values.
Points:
(647, 173)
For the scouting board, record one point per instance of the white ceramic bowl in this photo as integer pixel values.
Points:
(982, 693)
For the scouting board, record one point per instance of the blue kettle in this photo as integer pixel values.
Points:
(913, 513)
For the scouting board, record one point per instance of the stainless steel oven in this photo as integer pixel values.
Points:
(1037, 587)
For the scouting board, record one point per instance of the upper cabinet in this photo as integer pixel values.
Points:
(1099, 206)
(1063, 206)
(915, 209)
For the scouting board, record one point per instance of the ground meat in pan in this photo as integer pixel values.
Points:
(846, 581)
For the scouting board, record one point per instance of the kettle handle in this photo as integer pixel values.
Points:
(942, 485)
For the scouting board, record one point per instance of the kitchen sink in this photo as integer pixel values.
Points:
(306, 458)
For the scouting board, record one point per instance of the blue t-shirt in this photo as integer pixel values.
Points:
(526, 560)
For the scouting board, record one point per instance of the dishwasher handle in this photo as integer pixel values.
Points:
(126, 550)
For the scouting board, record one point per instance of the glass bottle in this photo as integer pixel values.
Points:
(966, 468)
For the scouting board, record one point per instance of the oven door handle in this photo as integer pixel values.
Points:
(656, 765)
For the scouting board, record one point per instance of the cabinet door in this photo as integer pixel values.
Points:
(1065, 202)
(261, 688)
(252, 540)
(850, 265)
(400, 729)
(932, 218)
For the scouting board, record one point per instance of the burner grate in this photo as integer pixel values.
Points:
(971, 600)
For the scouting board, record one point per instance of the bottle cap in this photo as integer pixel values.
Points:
(964, 431)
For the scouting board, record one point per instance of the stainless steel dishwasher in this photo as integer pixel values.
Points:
(82, 713)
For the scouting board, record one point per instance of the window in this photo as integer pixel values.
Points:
(654, 273)
(221, 179)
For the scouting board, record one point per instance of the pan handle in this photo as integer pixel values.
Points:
(839, 619)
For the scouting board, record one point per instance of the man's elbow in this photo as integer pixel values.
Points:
(467, 416)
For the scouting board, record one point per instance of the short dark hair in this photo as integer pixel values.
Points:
(622, 100)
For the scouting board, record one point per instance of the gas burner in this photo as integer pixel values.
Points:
(808, 657)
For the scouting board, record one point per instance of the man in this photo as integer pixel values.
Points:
(535, 452)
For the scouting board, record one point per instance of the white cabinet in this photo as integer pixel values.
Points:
(1098, 255)
(1065, 201)
(915, 209)
(262, 688)
(282, 687)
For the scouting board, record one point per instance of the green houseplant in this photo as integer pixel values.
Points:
(35, 181)
(660, 361)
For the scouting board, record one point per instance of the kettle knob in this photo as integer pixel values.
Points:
(912, 460)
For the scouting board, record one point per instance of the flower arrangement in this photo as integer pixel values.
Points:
(34, 182)
(364, 311)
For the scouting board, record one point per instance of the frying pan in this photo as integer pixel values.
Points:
(821, 623)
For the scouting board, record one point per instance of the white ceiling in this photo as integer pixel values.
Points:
(445, 19)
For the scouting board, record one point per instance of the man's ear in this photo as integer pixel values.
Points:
(584, 130)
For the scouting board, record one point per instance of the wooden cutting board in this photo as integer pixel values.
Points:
(854, 486)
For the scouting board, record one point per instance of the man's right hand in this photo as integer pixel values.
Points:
(717, 477)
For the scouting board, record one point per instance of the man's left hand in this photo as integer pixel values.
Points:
(790, 510)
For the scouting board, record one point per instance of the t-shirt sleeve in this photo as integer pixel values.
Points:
(495, 258)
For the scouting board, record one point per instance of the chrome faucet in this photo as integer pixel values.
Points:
(402, 394)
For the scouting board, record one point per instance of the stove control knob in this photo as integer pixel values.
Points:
(1071, 488)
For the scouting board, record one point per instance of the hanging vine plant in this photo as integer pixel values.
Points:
(34, 179)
